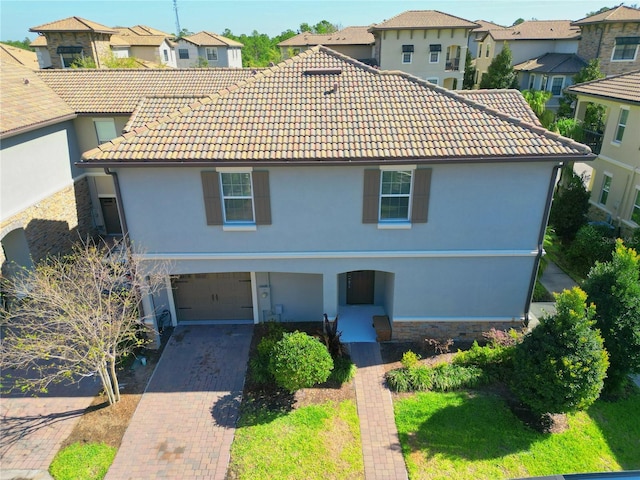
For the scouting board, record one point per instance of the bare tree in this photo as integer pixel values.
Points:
(76, 316)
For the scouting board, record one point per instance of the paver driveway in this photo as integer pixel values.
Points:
(185, 422)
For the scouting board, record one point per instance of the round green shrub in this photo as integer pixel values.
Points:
(561, 365)
(299, 361)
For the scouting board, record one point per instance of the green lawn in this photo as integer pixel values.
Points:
(313, 442)
(88, 461)
(474, 435)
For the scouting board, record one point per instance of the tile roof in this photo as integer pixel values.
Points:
(40, 41)
(508, 101)
(321, 106)
(72, 24)
(152, 108)
(27, 102)
(208, 39)
(20, 56)
(119, 91)
(486, 26)
(537, 30)
(567, 63)
(625, 87)
(141, 30)
(140, 40)
(423, 19)
(615, 15)
(346, 36)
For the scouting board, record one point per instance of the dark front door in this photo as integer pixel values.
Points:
(111, 217)
(360, 286)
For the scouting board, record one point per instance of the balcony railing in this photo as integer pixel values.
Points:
(593, 140)
(452, 65)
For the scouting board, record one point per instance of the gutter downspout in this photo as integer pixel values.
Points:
(123, 218)
(543, 226)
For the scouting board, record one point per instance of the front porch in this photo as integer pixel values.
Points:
(356, 322)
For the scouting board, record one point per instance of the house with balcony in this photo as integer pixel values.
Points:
(322, 185)
(478, 33)
(354, 42)
(206, 49)
(528, 40)
(615, 181)
(426, 43)
(613, 37)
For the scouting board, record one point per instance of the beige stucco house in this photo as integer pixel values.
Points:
(615, 182)
(613, 37)
(216, 50)
(426, 43)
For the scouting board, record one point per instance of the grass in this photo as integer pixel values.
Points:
(466, 435)
(89, 461)
(312, 442)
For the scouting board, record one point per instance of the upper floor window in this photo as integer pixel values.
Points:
(237, 197)
(433, 80)
(556, 86)
(626, 49)
(606, 186)
(532, 81)
(487, 52)
(544, 82)
(407, 53)
(395, 195)
(434, 53)
(212, 54)
(622, 124)
(165, 54)
(480, 50)
(68, 55)
(635, 213)
(183, 53)
(105, 129)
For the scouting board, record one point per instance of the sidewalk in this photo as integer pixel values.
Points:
(555, 280)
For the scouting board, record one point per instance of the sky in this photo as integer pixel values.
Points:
(271, 17)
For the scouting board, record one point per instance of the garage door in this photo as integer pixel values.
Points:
(213, 296)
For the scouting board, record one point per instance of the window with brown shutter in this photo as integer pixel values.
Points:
(371, 198)
(262, 197)
(211, 192)
(420, 199)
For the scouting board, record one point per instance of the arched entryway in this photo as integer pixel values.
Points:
(16, 253)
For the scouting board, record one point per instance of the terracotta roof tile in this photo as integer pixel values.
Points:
(152, 108)
(40, 41)
(72, 24)
(537, 30)
(208, 39)
(19, 56)
(615, 15)
(323, 106)
(423, 19)
(141, 30)
(119, 91)
(346, 36)
(510, 102)
(485, 26)
(567, 63)
(27, 102)
(625, 87)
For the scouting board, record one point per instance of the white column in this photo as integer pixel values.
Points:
(330, 294)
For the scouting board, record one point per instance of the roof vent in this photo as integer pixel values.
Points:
(323, 71)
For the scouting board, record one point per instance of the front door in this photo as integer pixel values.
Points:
(360, 287)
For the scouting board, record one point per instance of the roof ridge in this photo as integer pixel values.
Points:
(597, 80)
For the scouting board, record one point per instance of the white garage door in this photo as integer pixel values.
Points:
(213, 296)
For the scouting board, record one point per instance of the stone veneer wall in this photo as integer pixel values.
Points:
(53, 224)
(412, 331)
(94, 45)
(599, 41)
(597, 214)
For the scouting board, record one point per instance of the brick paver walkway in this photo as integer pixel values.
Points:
(380, 445)
(185, 422)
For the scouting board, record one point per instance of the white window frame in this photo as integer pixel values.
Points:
(214, 52)
(615, 48)
(621, 126)
(487, 51)
(107, 136)
(532, 81)
(165, 53)
(544, 82)
(635, 208)
(479, 50)
(407, 57)
(182, 51)
(229, 171)
(396, 169)
(605, 189)
(431, 54)
(553, 79)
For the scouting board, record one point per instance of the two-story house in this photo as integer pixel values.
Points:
(354, 42)
(322, 185)
(426, 43)
(615, 182)
(144, 43)
(527, 41)
(613, 37)
(208, 49)
(44, 199)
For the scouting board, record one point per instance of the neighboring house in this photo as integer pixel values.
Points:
(214, 49)
(613, 37)
(63, 41)
(104, 101)
(44, 199)
(615, 182)
(551, 72)
(426, 43)
(530, 39)
(18, 56)
(478, 34)
(354, 42)
(322, 185)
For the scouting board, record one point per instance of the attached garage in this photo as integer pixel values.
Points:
(213, 297)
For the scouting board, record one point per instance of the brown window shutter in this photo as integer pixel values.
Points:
(420, 200)
(261, 197)
(212, 203)
(371, 196)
